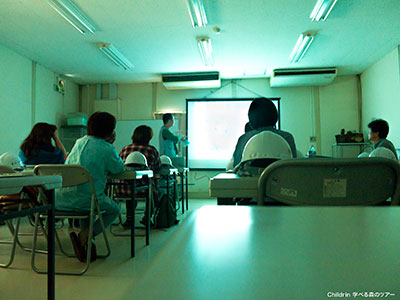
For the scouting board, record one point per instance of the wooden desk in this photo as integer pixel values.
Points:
(166, 171)
(131, 176)
(14, 182)
(10, 184)
(277, 253)
(226, 186)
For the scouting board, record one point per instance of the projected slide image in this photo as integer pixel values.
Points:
(216, 137)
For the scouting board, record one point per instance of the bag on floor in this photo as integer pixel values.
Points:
(165, 213)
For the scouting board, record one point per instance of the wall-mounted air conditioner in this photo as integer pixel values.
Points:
(197, 80)
(302, 77)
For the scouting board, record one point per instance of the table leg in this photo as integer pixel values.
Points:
(187, 191)
(175, 189)
(168, 201)
(50, 249)
(182, 192)
(148, 210)
(133, 187)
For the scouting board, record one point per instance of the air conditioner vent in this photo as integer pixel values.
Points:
(302, 77)
(194, 80)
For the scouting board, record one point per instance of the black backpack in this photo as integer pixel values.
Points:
(165, 213)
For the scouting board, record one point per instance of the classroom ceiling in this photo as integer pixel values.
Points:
(157, 36)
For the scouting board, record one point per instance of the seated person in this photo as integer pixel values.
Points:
(378, 131)
(37, 148)
(262, 150)
(247, 127)
(96, 153)
(140, 142)
(229, 167)
(262, 117)
(383, 152)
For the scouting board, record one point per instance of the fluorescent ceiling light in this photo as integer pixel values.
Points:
(205, 49)
(301, 47)
(73, 15)
(322, 10)
(197, 12)
(116, 56)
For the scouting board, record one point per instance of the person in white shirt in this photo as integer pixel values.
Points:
(96, 153)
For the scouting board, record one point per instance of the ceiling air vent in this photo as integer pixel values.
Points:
(302, 77)
(196, 80)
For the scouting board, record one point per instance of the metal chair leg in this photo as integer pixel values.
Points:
(44, 271)
(104, 235)
(14, 244)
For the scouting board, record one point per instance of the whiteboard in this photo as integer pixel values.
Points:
(124, 131)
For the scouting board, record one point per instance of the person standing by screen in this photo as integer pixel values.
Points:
(378, 131)
(168, 140)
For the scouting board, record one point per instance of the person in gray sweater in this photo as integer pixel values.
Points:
(263, 116)
(378, 131)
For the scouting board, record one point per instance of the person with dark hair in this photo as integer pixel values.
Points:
(102, 125)
(263, 116)
(262, 113)
(378, 131)
(96, 153)
(140, 142)
(37, 148)
(247, 127)
(229, 166)
(168, 139)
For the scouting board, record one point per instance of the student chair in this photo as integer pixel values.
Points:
(12, 203)
(119, 199)
(149, 203)
(331, 182)
(72, 175)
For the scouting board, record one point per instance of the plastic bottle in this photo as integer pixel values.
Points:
(312, 152)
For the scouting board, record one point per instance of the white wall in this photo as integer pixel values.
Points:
(381, 94)
(22, 106)
(51, 106)
(15, 99)
(339, 110)
(141, 93)
(297, 103)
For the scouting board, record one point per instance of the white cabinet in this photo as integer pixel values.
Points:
(69, 134)
(348, 150)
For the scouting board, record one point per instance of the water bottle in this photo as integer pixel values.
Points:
(312, 152)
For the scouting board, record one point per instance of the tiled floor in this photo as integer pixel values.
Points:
(110, 278)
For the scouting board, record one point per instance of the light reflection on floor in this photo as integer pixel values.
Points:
(224, 234)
